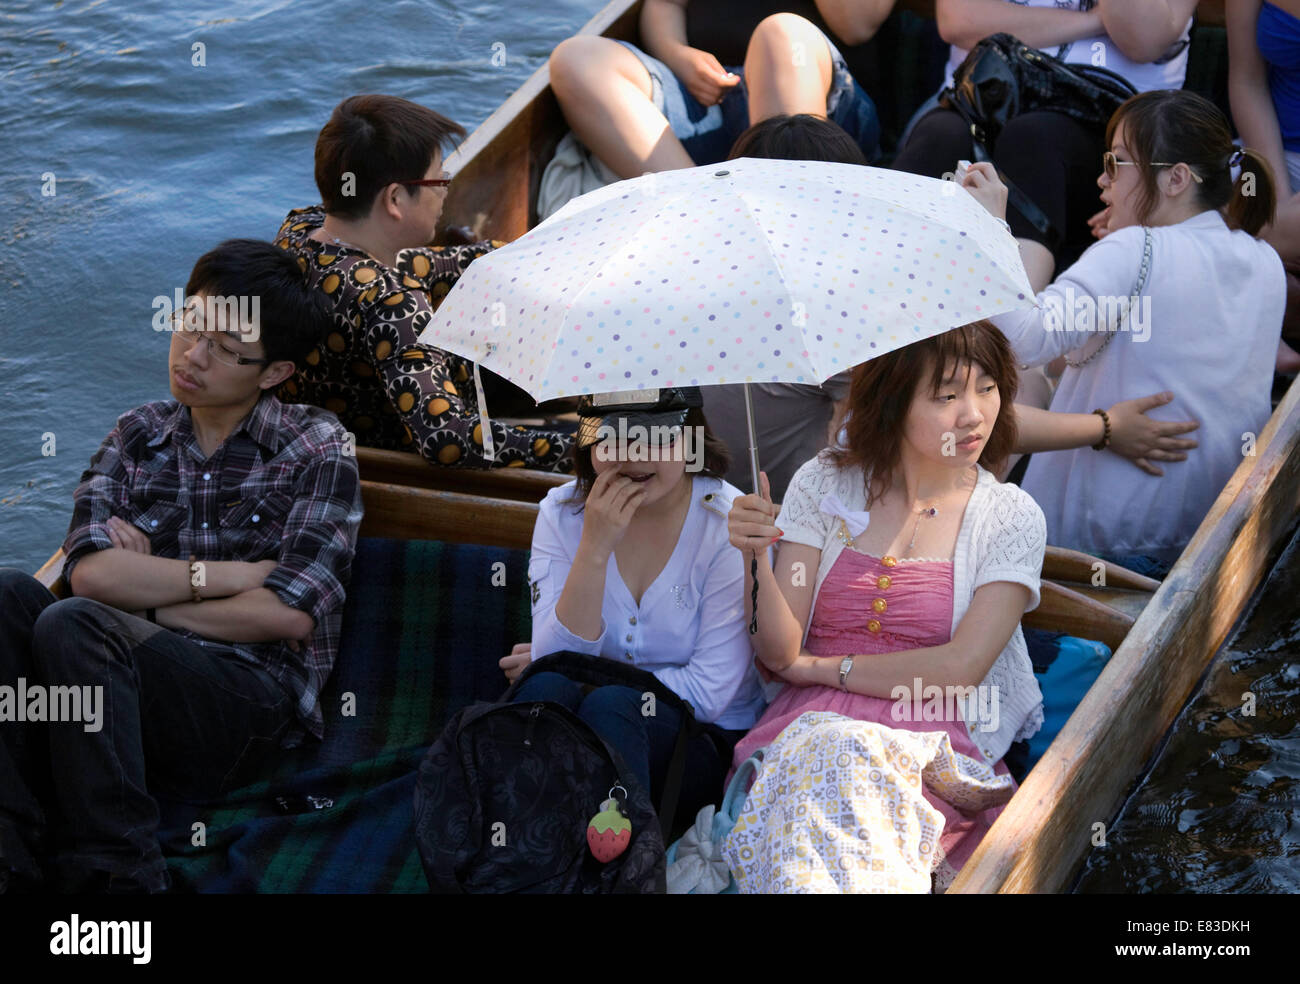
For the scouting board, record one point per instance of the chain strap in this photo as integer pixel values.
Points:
(1134, 295)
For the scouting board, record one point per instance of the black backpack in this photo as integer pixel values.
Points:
(505, 794)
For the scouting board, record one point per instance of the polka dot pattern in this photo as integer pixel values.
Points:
(746, 271)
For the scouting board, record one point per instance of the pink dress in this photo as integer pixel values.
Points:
(917, 612)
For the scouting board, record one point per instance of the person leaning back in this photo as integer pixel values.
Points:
(208, 554)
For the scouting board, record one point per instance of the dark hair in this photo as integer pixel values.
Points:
(292, 316)
(379, 140)
(883, 390)
(798, 138)
(717, 459)
(1175, 126)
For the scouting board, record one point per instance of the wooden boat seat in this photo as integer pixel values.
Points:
(408, 468)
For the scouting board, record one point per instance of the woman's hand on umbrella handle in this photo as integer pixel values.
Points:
(1143, 439)
(751, 524)
(610, 506)
(986, 187)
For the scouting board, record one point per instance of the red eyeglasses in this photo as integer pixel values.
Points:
(441, 182)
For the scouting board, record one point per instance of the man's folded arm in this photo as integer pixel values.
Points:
(253, 616)
(95, 567)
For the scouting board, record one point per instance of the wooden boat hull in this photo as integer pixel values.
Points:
(1039, 841)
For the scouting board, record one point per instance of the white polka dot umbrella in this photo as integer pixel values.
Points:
(746, 271)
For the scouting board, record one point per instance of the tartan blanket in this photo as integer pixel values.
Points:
(424, 626)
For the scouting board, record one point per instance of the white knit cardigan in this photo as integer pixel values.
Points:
(1003, 536)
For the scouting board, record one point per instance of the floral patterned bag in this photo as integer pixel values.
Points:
(838, 808)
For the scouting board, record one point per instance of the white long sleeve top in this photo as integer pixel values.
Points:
(689, 629)
(1216, 298)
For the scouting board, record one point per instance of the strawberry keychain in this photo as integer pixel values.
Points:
(610, 831)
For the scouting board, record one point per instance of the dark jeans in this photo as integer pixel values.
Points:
(646, 742)
(192, 721)
(1054, 159)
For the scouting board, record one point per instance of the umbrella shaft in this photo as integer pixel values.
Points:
(753, 441)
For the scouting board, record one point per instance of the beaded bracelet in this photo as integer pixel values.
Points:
(194, 588)
(1105, 435)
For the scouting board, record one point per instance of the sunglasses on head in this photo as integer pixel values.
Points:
(1111, 163)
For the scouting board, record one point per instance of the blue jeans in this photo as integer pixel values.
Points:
(707, 132)
(196, 720)
(645, 742)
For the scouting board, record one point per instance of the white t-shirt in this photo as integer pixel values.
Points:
(1216, 298)
(689, 629)
(1104, 53)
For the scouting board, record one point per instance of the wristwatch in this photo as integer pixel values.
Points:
(846, 664)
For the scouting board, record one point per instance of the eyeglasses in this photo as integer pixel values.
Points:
(1111, 163)
(441, 182)
(216, 349)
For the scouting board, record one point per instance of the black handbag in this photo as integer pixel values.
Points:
(1002, 77)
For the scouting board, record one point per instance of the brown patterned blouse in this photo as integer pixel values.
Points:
(386, 388)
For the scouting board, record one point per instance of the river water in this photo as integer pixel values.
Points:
(1218, 811)
(150, 151)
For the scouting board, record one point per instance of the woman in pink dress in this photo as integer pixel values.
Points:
(905, 565)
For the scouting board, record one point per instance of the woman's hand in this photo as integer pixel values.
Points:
(1099, 224)
(986, 187)
(751, 524)
(1138, 437)
(703, 76)
(611, 504)
(520, 656)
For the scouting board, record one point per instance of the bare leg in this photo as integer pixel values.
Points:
(604, 91)
(1039, 263)
(787, 68)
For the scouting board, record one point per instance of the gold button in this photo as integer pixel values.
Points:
(709, 497)
(879, 605)
(889, 561)
(873, 625)
(627, 656)
(884, 581)
(632, 620)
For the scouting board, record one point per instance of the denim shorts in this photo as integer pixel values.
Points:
(707, 132)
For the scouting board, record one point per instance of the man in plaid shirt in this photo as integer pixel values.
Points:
(209, 553)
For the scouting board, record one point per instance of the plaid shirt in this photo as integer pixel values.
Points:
(281, 486)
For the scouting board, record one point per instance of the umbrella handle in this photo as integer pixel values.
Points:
(753, 473)
(753, 592)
